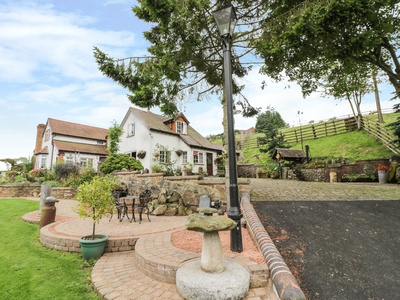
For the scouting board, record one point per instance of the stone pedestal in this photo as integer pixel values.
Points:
(212, 277)
(212, 257)
(195, 284)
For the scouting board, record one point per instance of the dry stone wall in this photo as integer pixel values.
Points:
(177, 194)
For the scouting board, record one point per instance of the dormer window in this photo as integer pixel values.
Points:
(181, 127)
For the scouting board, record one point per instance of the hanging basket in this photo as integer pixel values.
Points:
(141, 154)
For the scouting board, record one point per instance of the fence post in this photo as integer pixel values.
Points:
(378, 130)
(314, 132)
(326, 129)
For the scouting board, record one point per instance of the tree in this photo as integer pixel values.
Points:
(186, 54)
(114, 135)
(21, 164)
(186, 51)
(350, 82)
(268, 120)
(306, 39)
(269, 123)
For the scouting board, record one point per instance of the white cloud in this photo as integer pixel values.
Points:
(39, 37)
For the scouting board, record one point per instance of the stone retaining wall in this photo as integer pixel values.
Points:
(322, 174)
(26, 191)
(189, 188)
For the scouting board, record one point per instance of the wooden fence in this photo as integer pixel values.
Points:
(332, 127)
(379, 131)
(319, 130)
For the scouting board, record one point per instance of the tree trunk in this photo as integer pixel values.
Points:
(94, 224)
(377, 100)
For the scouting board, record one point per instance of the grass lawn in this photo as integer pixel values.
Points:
(31, 271)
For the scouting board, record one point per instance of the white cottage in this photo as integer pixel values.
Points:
(147, 136)
(65, 142)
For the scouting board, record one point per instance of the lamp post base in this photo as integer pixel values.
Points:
(236, 233)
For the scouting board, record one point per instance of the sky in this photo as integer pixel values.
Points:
(47, 70)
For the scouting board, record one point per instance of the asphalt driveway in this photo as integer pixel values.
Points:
(337, 249)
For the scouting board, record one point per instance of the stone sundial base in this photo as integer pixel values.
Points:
(193, 283)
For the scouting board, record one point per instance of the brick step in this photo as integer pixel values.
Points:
(157, 258)
(116, 276)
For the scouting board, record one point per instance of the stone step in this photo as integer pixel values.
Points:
(157, 258)
(116, 277)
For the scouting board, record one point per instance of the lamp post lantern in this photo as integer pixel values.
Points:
(226, 21)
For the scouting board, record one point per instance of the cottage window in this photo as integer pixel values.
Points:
(165, 156)
(131, 129)
(43, 162)
(184, 157)
(181, 127)
(69, 160)
(197, 157)
(86, 162)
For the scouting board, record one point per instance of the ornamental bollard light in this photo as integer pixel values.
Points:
(226, 21)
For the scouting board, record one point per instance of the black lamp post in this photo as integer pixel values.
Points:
(226, 21)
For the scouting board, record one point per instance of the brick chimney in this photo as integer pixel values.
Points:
(39, 140)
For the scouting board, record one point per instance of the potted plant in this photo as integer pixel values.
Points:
(95, 200)
(188, 169)
(382, 173)
(141, 154)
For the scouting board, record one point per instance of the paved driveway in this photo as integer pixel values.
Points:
(337, 247)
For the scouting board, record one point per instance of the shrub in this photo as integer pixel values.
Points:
(156, 169)
(117, 162)
(63, 171)
(75, 180)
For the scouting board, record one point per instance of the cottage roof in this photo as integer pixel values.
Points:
(289, 154)
(77, 130)
(159, 123)
(45, 150)
(81, 148)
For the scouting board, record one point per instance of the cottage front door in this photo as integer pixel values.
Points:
(210, 164)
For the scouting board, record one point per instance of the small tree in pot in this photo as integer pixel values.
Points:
(95, 200)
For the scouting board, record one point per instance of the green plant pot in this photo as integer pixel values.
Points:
(93, 249)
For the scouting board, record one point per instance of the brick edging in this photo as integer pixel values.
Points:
(285, 283)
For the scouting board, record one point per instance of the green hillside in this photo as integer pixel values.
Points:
(354, 145)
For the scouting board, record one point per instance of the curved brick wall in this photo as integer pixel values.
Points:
(285, 283)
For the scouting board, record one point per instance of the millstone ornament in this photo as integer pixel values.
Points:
(211, 277)
(369, 169)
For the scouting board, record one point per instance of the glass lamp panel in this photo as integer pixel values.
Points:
(226, 20)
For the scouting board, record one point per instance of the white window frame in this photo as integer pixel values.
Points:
(199, 158)
(86, 162)
(131, 129)
(165, 156)
(69, 159)
(181, 127)
(43, 162)
(184, 157)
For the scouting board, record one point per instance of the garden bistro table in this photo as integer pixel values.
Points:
(127, 202)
